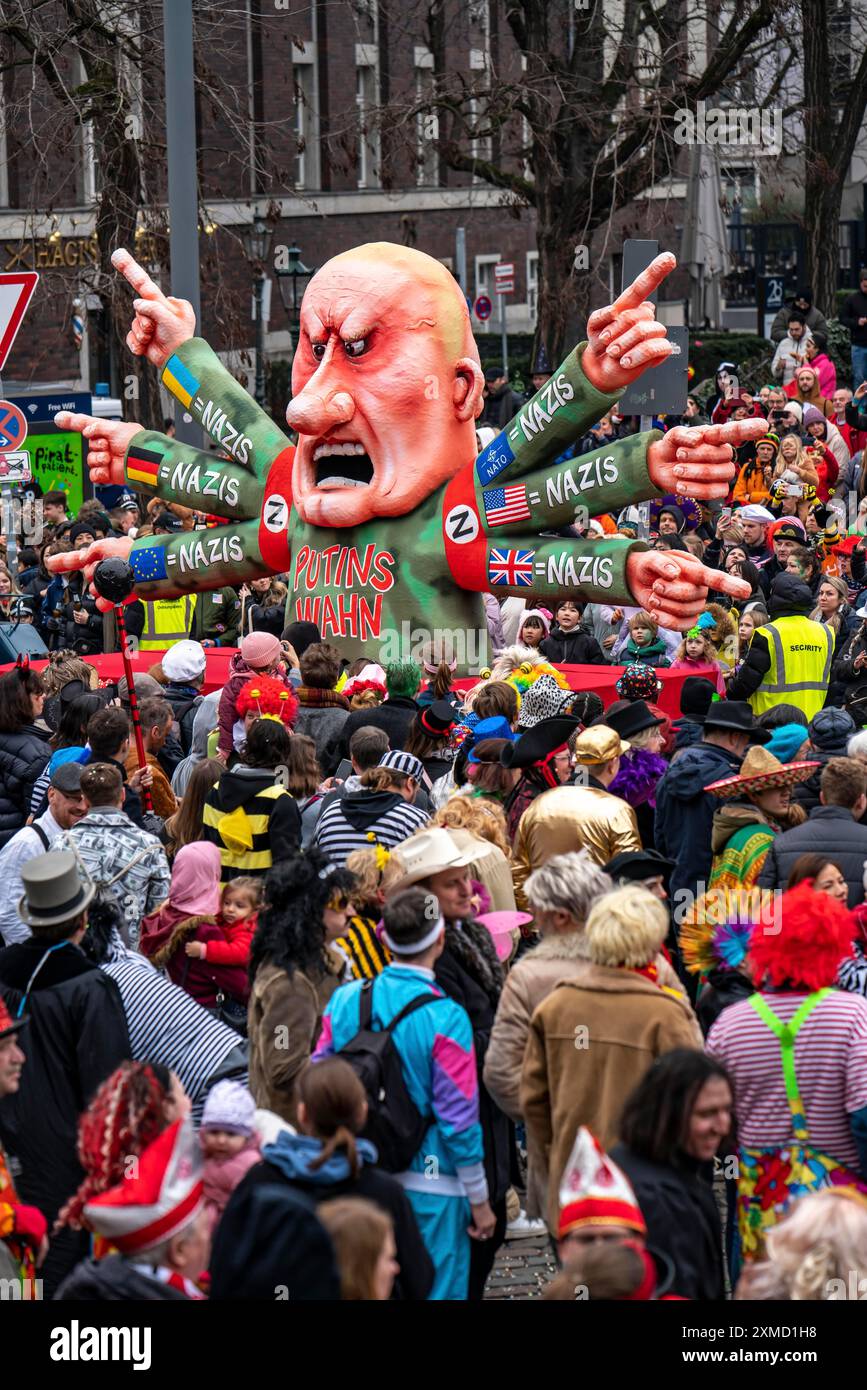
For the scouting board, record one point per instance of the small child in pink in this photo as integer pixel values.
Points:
(697, 650)
(229, 1143)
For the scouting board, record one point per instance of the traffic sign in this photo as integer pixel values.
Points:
(504, 270)
(13, 427)
(16, 290)
(482, 307)
(505, 287)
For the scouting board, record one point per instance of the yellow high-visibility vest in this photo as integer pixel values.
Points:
(167, 620)
(801, 652)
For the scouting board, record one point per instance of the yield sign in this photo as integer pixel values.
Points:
(16, 289)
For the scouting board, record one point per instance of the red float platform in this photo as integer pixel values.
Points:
(602, 679)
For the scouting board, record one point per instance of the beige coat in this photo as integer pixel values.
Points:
(590, 1043)
(556, 958)
(284, 1019)
(569, 818)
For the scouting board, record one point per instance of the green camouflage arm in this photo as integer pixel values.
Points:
(197, 378)
(598, 482)
(176, 472)
(559, 413)
(594, 571)
(166, 566)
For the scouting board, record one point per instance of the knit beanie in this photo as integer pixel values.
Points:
(786, 740)
(812, 416)
(260, 649)
(229, 1106)
(696, 696)
(795, 408)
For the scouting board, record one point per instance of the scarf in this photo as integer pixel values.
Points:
(473, 946)
(310, 697)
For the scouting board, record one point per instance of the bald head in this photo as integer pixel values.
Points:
(386, 384)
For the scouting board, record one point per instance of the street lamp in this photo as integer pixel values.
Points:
(288, 277)
(257, 242)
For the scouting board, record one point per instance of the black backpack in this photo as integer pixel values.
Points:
(394, 1124)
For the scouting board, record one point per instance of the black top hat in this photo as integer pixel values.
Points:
(638, 864)
(437, 718)
(736, 715)
(539, 742)
(631, 720)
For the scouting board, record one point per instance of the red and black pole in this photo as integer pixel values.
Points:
(113, 580)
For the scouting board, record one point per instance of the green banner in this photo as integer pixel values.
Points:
(57, 461)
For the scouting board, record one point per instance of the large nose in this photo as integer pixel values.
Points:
(323, 403)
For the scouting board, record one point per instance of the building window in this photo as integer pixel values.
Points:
(485, 275)
(306, 127)
(366, 96)
(426, 122)
(532, 286)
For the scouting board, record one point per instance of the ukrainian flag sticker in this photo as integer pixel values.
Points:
(180, 381)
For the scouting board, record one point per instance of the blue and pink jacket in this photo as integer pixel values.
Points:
(439, 1065)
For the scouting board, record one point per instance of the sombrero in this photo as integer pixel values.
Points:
(760, 771)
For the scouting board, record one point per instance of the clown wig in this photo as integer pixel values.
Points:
(814, 937)
(122, 1119)
(269, 699)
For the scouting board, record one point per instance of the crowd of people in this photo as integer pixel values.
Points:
(368, 968)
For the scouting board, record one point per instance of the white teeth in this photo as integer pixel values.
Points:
(332, 450)
(335, 481)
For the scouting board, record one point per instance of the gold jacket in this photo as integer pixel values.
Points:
(569, 818)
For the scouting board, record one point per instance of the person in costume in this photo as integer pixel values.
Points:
(714, 937)
(757, 807)
(696, 652)
(583, 816)
(818, 1253)
(642, 765)
(810, 1132)
(435, 1046)
(382, 513)
(543, 756)
(598, 1208)
(644, 646)
(156, 1220)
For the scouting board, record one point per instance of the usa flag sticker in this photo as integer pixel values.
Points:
(505, 504)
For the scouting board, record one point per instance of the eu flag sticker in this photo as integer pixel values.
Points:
(148, 563)
(494, 459)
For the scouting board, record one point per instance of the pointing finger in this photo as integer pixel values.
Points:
(644, 284)
(137, 276)
(725, 583)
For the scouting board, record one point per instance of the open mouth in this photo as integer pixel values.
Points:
(342, 465)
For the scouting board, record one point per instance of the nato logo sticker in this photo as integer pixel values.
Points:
(494, 459)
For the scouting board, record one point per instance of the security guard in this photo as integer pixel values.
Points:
(789, 659)
(166, 620)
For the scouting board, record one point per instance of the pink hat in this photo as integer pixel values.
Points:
(502, 926)
(260, 649)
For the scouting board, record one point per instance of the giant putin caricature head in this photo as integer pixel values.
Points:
(386, 385)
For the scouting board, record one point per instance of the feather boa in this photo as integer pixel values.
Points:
(640, 770)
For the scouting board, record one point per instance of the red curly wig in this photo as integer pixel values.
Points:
(267, 696)
(125, 1115)
(815, 935)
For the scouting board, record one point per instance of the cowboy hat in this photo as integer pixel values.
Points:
(427, 853)
(735, 715)
(760, 772)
